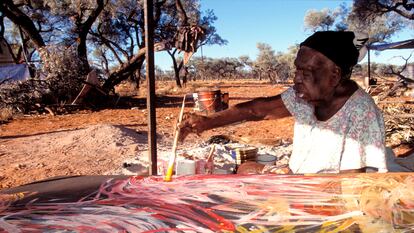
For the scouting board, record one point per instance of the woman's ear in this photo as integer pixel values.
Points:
(336, 76)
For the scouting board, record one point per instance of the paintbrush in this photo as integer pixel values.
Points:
(170, 169)
(209, 169)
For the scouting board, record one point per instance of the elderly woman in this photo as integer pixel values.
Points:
(338, 127)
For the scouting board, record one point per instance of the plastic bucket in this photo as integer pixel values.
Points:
(209, 101)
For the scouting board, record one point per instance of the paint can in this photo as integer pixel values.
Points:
(185, 167)
(266, 159)
(209, 101)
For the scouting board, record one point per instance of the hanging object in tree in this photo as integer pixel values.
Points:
(187, 39)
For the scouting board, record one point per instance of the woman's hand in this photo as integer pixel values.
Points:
(275, 169)
(192, 123)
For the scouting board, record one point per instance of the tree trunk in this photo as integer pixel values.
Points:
(125, 71)
(12, 12)
(83, 29)
(185, 78)
(176, 68)
(177, 74)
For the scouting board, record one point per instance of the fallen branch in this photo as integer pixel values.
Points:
(50, 111)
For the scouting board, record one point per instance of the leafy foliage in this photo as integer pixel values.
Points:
(63, 81)
(378, 28)
(267, 66)
(370, 9)
(55, 84)
(210, 68)
(320, 20)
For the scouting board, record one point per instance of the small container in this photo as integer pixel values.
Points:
(204, 167)
(185, 167)
(266, 159)
(162, 167)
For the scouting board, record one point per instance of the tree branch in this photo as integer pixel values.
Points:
(105, 60)
(109, 44)
(83, 30)
(183, 19)
(397, 10)
(12, 12)
(2, 25)
(398, 73)
(127, 69)
(136, 28)
(157, 7)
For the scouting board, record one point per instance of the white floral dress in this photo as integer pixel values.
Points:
(351, 139)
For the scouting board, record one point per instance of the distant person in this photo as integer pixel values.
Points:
(338, 128)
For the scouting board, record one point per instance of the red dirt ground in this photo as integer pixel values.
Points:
(34, 164)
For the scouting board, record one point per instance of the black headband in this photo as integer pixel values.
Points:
(338, 46)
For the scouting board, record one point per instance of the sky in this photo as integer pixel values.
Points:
(279, 23)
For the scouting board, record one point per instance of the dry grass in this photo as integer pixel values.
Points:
(6, 114)
(127, 88)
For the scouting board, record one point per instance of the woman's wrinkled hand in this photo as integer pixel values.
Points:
(275, 169)
(192, 123)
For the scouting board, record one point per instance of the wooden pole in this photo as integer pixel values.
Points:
(23, 46)
(369, 67)
(150, 76)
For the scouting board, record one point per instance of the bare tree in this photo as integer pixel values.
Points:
(402, 80)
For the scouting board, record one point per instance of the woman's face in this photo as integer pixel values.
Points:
(316, 76)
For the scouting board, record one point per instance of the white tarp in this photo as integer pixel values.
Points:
(14, 72)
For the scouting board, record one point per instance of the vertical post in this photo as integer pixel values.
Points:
(369, 67)
(150, 76)
(23, 46)
(202, 63)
